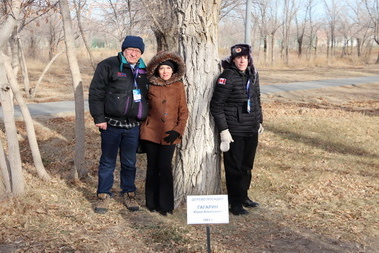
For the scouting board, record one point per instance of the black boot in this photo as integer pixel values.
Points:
(238, 210)
(249, 203)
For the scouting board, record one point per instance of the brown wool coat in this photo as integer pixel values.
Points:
(167, 102)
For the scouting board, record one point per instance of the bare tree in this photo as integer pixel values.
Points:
(79, 5)
(163, 24)
(312, 30)
(54, 33)
(17, 180)
(332, 14)
(229, 6)
(372, 7)
(31, 11)
(290, 10)
(33, 91)
(301, 25)
(121, 17)
(79, 169)
(261, 16)
(28, 121)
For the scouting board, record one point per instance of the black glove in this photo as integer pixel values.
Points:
(172, 136)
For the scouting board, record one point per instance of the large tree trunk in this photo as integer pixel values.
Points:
(197, 165)
(79, 169)
(28, 122)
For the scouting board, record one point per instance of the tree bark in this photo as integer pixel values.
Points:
(197, 165)
(14, 51)
(164, 24)
(24, 68)
(4, 166)
(28, 122)
(17, 178)
(79, 169)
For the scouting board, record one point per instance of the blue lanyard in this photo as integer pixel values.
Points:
(248, 96)
(135, 75)
(248, 89)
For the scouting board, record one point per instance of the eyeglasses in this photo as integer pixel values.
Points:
(134, 50)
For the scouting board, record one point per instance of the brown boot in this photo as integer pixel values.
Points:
(130, 201)
(102, 203)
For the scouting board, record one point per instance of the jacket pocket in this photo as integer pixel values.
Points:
(123, 105)
(117, 104)
(142, 109)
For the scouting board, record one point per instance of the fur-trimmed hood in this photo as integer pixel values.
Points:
(152, 68)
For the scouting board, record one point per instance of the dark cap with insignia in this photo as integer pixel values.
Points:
(239, 50)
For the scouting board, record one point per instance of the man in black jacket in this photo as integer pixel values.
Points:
(237, 111)
(117, 103)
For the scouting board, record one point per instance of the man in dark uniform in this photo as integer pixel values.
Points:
(237, 111)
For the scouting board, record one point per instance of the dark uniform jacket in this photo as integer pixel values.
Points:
(229, 104)
(111, 91)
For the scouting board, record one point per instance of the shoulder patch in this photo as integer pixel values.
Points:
(221, 81)
(120, 74)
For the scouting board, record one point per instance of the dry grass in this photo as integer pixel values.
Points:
(316, 177)
(322, 166)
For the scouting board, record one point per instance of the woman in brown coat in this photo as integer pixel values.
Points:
(163, 128)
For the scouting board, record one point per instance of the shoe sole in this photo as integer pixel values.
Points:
(248, 206)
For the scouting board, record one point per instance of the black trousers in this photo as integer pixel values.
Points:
(238, 163)
(159, 185)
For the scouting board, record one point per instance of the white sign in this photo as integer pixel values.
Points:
(207, 209)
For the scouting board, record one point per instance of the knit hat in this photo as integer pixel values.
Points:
(240, 49)
(169, 63)
(133, 41)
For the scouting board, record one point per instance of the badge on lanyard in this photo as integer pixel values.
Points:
(137, 95)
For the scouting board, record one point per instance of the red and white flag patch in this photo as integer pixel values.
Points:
(221, 81)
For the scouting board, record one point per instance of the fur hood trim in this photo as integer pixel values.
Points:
(152, 68)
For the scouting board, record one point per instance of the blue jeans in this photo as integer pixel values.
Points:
(116, 139)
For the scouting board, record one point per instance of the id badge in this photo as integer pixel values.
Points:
(248, 105)
(137, 95)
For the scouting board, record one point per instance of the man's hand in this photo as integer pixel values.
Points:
(102, 125)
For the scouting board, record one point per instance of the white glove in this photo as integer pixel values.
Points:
(226, 139)
(261, 129)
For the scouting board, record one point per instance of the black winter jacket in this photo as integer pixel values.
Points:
(111, 90)
(229, 102)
